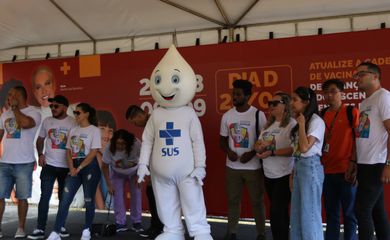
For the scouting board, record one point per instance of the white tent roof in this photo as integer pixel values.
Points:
(38, 22)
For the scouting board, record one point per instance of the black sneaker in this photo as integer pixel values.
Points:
(64, 233)
(121, 228)
(37, 234)
(231, 236)
(137, 227)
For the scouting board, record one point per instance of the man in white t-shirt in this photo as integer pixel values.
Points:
(53, 136)
(18, 127)
(373, 154)
(237, 139)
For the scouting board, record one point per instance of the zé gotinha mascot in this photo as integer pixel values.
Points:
(173, 149)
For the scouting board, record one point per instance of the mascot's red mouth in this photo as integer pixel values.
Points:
(169, 97)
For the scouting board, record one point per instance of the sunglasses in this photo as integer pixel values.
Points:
(76, 113)
(361, 74)
(54, 106)
(275, 103)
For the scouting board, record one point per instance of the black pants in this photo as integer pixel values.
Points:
(278, 191)
(370, 206)
(155, 222)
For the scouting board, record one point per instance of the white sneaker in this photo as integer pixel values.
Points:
(54, 236)
(86, 235)
(20, 233)
(1, 234)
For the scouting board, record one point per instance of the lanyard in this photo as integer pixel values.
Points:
(332, 124)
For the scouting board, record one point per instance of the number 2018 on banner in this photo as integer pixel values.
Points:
(199, 104)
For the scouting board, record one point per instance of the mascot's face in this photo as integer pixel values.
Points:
(173, 82)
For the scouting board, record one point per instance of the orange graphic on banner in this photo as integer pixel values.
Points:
(65, 68)
(90, 66)
(1, 74)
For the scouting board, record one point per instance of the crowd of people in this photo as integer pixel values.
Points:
(300, 155)
(297, 156)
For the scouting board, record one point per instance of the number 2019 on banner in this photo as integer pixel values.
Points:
(198, 104)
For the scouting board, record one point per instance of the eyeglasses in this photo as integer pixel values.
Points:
(361, 74)
(76, 113)
(54, 106)
(274, 103)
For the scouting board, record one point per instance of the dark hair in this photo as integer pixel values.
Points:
(8, 85)
(22, 91)
(106, 119)
(306, 94)
(287, 111)
(92, 112)
(245, 85)
(335, 81)
(372, 67)
(133, 111)
(128, 137)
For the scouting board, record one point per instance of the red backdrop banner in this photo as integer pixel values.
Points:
(112, 82)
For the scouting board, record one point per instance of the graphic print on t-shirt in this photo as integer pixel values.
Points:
(124, 163)
(78, 147)
(58, 138)
(12, 128)
(240, 134)
(269, 138)
(363, 130)
(296, 152)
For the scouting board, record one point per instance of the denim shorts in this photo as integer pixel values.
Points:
(19, 175)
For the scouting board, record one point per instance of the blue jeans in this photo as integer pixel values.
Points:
(49, 175)
(338, 194)
(306, 220)
(19, 175)
(89, 177)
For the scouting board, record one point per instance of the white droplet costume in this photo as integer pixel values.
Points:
(173, 148)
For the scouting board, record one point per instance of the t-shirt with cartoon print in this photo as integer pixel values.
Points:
(278, 138)
(82, 139)
(121, 162)
(55, 131)
(371, 135)
(241, 130)
(316, 129)
(18, 143)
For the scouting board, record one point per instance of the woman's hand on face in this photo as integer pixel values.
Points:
(301, 119)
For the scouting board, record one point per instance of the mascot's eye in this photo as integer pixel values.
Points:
(157, 80)
(175, 79)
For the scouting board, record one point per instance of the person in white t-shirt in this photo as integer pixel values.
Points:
(120, 164)
(83, 143)
(18, 127)
(274, 147)
(373, 154)
(308, 177)
(237, 140)
(52, 137)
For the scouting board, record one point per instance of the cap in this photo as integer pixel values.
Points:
(59, 99)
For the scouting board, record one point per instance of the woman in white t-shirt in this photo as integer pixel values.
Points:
(83, 143)
(274, 147)
(120, 164)
(308, 137)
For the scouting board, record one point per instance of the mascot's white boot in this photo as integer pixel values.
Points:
(205, 236)
(170, 236)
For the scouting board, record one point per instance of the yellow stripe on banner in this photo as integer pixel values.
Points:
(1, 74)
(89, 66)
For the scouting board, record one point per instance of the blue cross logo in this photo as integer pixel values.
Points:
(169, 134)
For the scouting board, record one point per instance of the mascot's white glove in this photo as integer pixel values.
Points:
(199, 174)
(142, 172)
